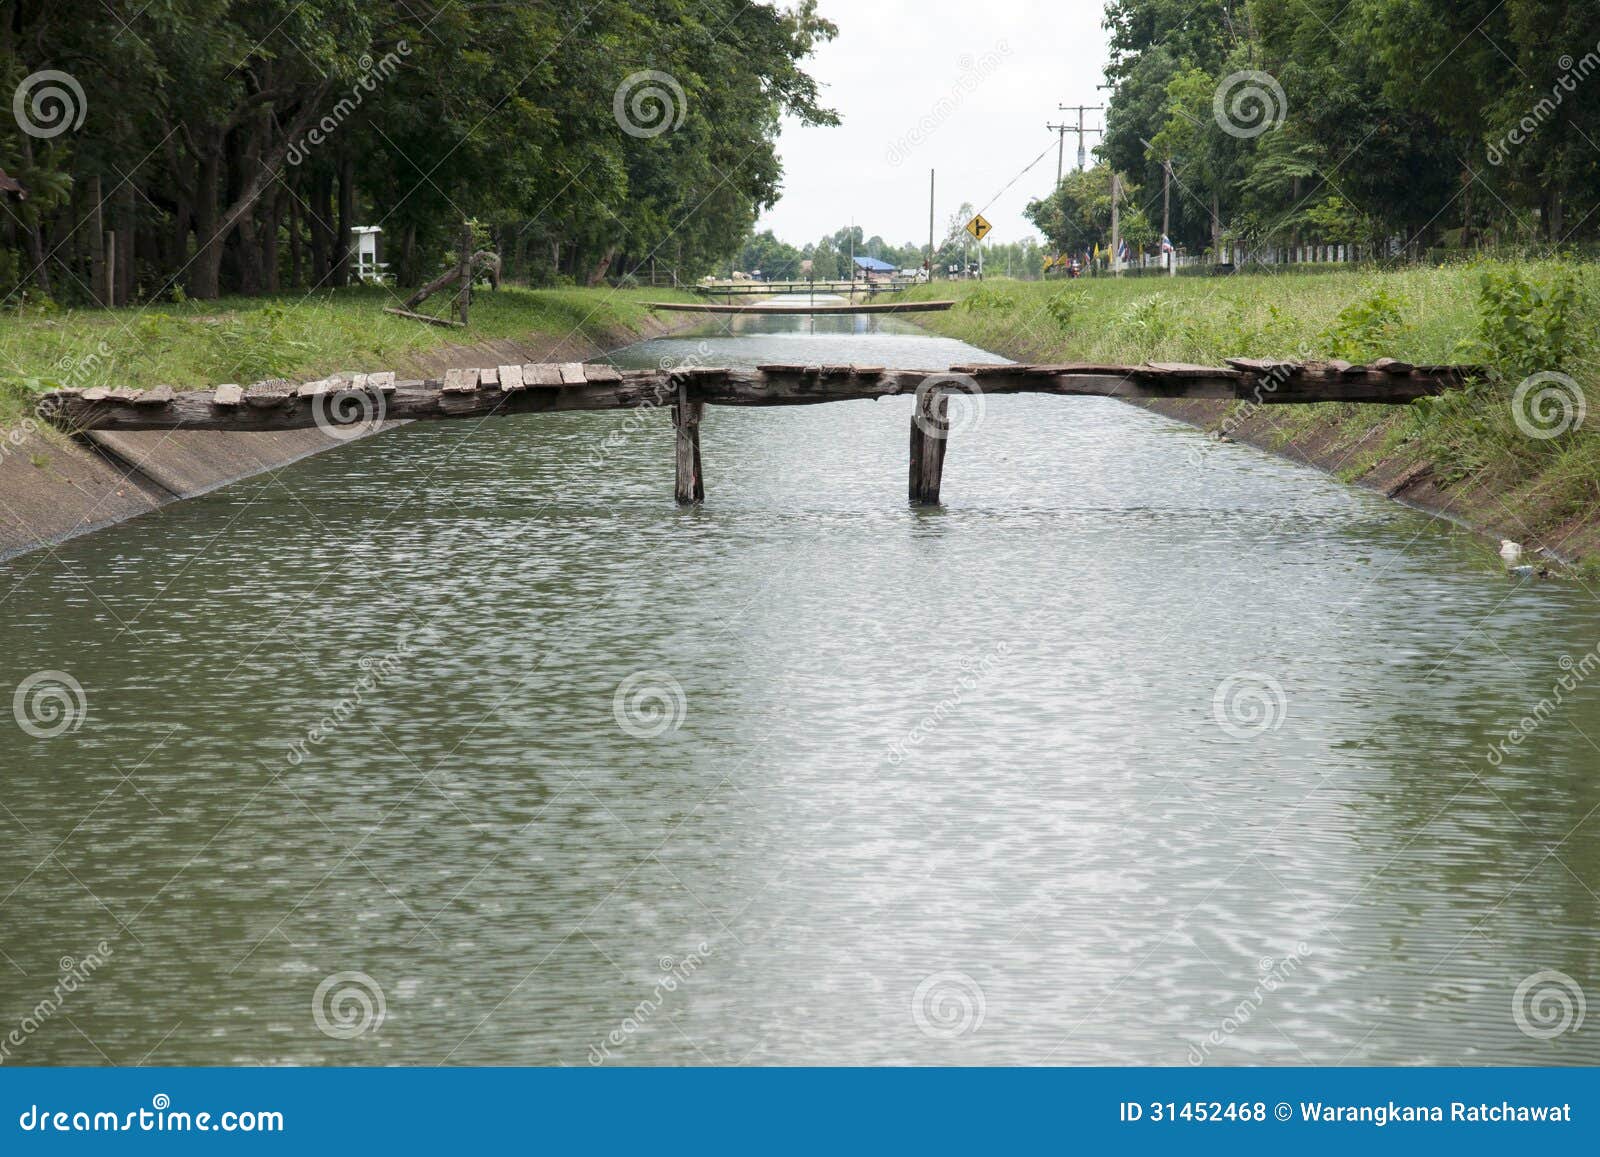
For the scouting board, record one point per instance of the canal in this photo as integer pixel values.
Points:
(464, 745)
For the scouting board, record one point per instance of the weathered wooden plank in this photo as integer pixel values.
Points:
(541, 374)
(317, 388)
(382, 383)
(228, 395)
(510, 377)
(489, 376)
(159, 396)
(571, 373)
(1184, 370)
(689, 487)
(1392, 366)
(1006, 369)
(460, 381)
(270, 394)
(600, 373)
(1264, 365)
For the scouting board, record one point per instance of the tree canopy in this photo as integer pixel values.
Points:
(1431, 122)
(230, 145)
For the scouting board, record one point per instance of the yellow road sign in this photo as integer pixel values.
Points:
(978, 227)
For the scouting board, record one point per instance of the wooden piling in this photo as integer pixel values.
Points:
(691, 488)
(930, 429)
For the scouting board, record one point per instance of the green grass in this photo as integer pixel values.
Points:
(195, 344)
(1516, 319)
(1203, 319)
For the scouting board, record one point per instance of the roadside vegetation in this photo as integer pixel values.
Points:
(1513, 443)
(190, 344)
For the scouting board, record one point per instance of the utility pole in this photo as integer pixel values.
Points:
(1080, 128)
(1116, 226)
(1061, 146)
(1166, 218)
(930, 226)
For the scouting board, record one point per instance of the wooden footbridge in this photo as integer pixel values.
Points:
(362, 399)
(767, 310)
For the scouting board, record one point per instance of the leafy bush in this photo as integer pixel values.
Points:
(1527, 324)
(1063, 308)
(990, 299)
(1153, 319)
(1370, 328)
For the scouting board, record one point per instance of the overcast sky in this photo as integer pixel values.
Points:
(965, 88)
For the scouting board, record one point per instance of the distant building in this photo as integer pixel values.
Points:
(874, 269)
(368, 267)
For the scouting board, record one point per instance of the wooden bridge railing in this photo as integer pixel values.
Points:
(343, 404)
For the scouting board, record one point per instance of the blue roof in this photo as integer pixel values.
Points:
(873, 265)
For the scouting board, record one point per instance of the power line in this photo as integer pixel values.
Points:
(1015, 179)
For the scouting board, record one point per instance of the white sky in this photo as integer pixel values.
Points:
(1002, 66)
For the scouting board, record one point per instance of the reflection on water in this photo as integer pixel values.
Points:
(465, 745)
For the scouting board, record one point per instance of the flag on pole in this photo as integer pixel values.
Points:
(1122, 250)
(1166, 245)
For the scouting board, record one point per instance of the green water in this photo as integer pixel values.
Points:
(1141, 749)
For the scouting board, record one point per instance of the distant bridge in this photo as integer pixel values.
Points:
(808, 310)
(751, 288)
(361, 399)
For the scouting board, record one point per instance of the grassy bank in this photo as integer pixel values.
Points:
(1524, 468)
(292, 336)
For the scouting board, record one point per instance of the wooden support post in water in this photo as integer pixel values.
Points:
(930, 428)
(691, 487)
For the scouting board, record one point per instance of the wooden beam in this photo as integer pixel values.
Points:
(930, 429)
(444, 321)
(690, 489)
